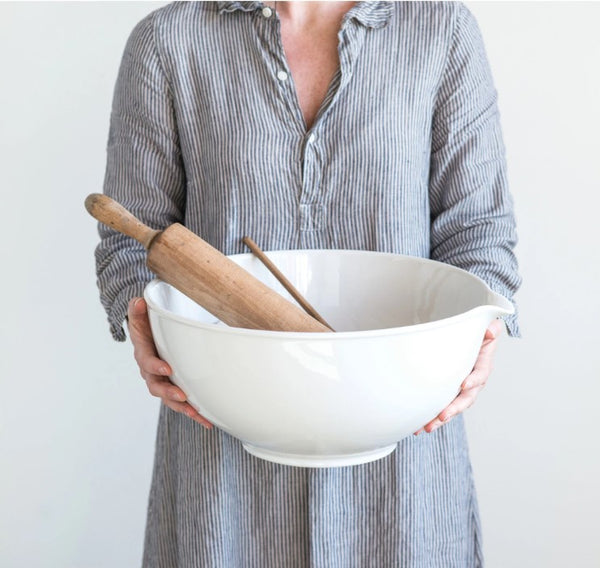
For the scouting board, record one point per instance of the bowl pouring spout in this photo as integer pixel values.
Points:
(499, 305)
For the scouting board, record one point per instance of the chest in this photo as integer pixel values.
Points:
(313, 60)
(252, 167)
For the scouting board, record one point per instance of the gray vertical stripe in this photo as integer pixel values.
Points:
(405, 156)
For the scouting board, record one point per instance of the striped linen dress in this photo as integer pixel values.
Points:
(405, 156)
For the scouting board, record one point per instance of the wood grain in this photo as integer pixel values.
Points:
(190, 264)
(113, 214)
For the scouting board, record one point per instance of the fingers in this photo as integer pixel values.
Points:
(140, 333)
(473, 384)
(174, 398)
(483, 364)
(463, 401)
(161, 387)
(154, 370)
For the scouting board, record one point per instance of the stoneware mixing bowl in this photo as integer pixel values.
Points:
(408, 331)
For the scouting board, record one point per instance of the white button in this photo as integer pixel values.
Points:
(267, 12)
(282, 75)
(311, 138)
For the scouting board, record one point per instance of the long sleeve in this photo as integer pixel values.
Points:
(472, 218)
(144, 171)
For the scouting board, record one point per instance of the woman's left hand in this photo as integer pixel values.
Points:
(473, 383)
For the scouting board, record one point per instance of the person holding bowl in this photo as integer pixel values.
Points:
(340, 125)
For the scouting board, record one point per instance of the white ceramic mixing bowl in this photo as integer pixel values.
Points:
(408, 333)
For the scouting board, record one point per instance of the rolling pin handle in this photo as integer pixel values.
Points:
(111, 213)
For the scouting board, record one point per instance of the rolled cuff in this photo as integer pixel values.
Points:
(512, 323)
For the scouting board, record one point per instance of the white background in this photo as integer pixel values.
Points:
(76, 423)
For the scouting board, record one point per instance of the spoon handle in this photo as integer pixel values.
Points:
(284, 281)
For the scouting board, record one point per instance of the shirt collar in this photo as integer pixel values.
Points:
(369, 14)
(225, 7)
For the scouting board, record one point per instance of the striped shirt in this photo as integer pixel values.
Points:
(405, 156)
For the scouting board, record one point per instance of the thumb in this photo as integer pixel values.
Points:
(494, 330)
(137, 307)
(137, 318)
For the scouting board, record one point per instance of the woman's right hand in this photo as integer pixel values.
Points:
(155, 371)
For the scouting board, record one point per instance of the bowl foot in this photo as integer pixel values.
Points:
(311, 460)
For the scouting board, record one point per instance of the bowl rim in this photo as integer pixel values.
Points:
(339, 335)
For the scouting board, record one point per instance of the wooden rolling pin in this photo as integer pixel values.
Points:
(204, 274)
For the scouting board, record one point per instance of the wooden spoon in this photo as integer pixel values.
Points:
(284, 281)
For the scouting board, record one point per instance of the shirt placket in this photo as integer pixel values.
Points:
(313, 198)
(312, 147)
(277, 64)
